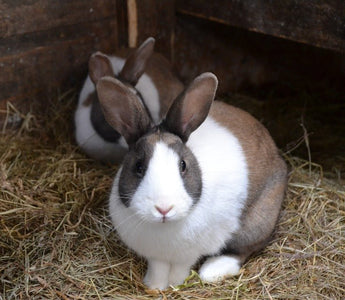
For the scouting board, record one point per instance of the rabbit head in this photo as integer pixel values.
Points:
(160, 177)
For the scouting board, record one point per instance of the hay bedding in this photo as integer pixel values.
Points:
(57, 241)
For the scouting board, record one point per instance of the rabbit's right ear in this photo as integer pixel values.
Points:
(122, 109)
(191, 108)
(99, 66)
(136, 62)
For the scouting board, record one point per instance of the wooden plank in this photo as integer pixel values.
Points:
(320, 23)
(35, 65)
(157, 18)
(203, 46)
(245, 60)
(44, 60)
(45, 46)
(20, 17)
(122, 22)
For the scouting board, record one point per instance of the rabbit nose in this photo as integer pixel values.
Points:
(163, 211)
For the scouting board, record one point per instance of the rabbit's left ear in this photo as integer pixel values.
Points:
(191, 108)
(122, 109)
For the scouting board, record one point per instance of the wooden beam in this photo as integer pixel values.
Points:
(157, 18)
(245, 60)
(132, 12)
(20, 17)
(319, 23)
(40, 60)
(122, 22)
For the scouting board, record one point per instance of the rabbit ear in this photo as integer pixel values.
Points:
(191, 108)
(136, 62)
(99, 66)
(122, 109)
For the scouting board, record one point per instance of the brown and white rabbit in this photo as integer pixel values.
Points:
(147, 73)
(207, 181)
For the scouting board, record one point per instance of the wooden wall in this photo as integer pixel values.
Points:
(45, 44)
(319, 23)
(245, 60)
(249, 44)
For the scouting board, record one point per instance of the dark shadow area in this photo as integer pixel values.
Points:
(295, 89)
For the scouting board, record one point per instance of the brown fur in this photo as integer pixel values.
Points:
(191, 108)
(267, 178)
(89, 99)
(122, 109)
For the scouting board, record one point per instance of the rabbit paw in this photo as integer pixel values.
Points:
(218, 267)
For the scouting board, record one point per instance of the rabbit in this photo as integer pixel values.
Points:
(206, 182)
(147, 73)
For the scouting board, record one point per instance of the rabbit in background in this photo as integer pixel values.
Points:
(146, 73)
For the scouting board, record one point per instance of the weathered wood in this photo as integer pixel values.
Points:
(203, 46)
(47, 59)
(122, 22)
(20, 17)
(52, 52)
(320, 23)
(45, 44)
(157, 18)
(245, 60)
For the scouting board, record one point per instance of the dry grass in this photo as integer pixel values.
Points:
(57, 242)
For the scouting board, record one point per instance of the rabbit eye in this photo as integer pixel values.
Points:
(182, 166)
(139, 168)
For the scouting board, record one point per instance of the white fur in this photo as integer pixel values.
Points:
(88, 139)
(157, 274)
(192, 231)
(162, 187)
(218, 267)
(91, 142)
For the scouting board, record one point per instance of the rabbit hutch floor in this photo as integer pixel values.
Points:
(57, 242)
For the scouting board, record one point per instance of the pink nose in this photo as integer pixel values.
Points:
(163, 211)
